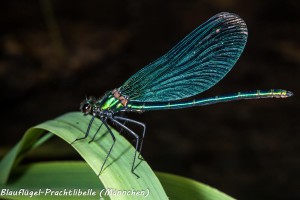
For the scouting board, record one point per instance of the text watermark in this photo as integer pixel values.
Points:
(47, 192)
(72, 192)
(115, 192)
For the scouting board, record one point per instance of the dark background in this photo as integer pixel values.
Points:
(52, 53)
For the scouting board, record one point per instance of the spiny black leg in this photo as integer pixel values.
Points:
(114, 140)
(138, 123)
(136, 144)
(121, 129)
(87, 131)
(95, 133)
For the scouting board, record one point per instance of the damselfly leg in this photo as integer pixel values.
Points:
(136, 136)
(137, 123)
(87, 131)
(114, 140)
(96, 133)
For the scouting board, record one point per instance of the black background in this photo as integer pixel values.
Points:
(248, 149)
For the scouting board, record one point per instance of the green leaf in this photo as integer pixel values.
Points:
(74, 176)
(52, 177)
(28, 142)
(178, 187)
(117, 172)
(79, 175)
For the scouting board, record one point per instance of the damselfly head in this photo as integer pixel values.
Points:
(87, 105)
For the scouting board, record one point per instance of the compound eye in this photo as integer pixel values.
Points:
(85, 108)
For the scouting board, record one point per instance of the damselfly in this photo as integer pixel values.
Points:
(194, 65)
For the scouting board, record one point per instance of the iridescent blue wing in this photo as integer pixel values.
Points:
(194, 65)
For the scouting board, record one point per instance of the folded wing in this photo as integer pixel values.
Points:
(194, 65)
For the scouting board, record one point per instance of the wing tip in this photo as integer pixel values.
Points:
(228, 15)
(234, 19)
